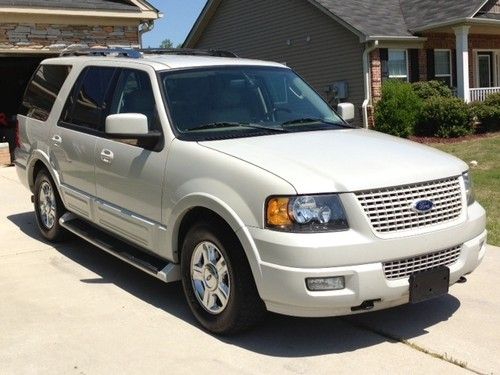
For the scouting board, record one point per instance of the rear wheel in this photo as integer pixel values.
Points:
(217, 280)
(48, 208)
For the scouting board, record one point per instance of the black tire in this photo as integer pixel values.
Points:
(54, 233)
(244, 307)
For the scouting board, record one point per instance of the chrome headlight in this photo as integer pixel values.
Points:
(469, 188)
(306, 213)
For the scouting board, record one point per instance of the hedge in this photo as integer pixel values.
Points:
(399, 109)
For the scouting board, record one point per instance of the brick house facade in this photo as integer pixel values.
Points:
(440, 41)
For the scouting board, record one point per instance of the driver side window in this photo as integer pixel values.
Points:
(134, 94)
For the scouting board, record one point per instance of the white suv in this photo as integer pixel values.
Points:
(237, 178)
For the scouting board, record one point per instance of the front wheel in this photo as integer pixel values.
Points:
(48, 208)
(217, 280)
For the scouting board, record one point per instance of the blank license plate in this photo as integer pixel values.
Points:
(428, 284)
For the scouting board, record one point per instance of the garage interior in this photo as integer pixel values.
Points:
(15, 73)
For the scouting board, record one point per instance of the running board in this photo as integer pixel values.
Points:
(155, 266)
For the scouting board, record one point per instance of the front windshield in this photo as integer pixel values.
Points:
(243, 101)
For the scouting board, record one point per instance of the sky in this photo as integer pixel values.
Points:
(178, 18)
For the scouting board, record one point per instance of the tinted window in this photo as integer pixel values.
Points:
(87, 106)
(209, 103)
(42, 91)
(134, 94)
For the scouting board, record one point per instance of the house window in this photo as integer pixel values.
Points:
(442, 66)
(397, 64)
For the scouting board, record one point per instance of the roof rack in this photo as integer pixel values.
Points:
(138, 53)
(188, 51)
(114, 52)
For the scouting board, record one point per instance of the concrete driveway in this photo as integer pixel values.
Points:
(72, 308)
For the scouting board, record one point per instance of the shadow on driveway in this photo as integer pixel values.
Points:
(278, 335)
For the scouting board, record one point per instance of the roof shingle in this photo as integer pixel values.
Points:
(118, 5)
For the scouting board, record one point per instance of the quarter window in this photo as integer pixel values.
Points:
(42, 91)
(397, 64)
(86, 107)
(442, 66)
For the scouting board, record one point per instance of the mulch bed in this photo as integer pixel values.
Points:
(471, 137)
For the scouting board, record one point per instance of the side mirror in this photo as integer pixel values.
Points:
(133, 125)
(346, 111)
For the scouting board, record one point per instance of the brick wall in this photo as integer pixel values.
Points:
(376, 73)
(43, 36)
(476, 41)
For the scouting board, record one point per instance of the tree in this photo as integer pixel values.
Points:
(167, 43)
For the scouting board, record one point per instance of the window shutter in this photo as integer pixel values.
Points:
(414, 65)
(454, 68)
(430, 65)
(384, 57)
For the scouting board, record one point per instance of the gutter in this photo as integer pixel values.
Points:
(466, 21)
(367, 78)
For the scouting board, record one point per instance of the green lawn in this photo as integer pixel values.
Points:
(486, 176)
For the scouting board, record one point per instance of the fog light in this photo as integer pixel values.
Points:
(325, 283)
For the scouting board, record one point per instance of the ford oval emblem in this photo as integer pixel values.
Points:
(422, 206)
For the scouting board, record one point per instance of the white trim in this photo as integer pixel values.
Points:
(496, 66)
(84, 13)
(450, 61)
(481, 7)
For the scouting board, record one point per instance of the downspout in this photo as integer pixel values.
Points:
(367, 78)
(146, 26)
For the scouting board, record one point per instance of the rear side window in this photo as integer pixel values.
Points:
(42, 91)
(87, 105)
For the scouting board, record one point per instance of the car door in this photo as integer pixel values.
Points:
(129, 172)
(74, 138)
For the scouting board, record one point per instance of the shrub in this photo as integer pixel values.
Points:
(493, 100)
(487, 113)
(445, 117)
(397, 112)
(426, 90)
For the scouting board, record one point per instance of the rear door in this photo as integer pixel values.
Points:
(129, 173)
(74, 138)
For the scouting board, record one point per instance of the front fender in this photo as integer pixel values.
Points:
(218, 206)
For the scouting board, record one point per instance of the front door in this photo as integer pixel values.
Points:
(485, 69)
(129, 173)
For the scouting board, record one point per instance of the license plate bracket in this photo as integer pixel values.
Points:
(428, 284)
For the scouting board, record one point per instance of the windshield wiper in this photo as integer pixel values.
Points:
(228, 124)
(312, 120)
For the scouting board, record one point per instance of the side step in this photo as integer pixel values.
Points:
(155, 266)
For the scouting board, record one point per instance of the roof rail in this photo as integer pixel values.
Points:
(114, 52)
(188, 51)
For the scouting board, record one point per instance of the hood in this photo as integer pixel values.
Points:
(342, 160)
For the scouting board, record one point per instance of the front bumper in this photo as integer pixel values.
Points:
(283, 287)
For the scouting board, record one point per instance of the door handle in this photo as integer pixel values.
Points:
(57, 140)
(107, 156)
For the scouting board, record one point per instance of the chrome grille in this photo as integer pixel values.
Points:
(390, 209)
(398, 269)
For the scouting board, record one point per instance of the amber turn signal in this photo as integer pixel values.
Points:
(277, 212)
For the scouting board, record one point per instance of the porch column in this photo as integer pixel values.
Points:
(462, 41)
